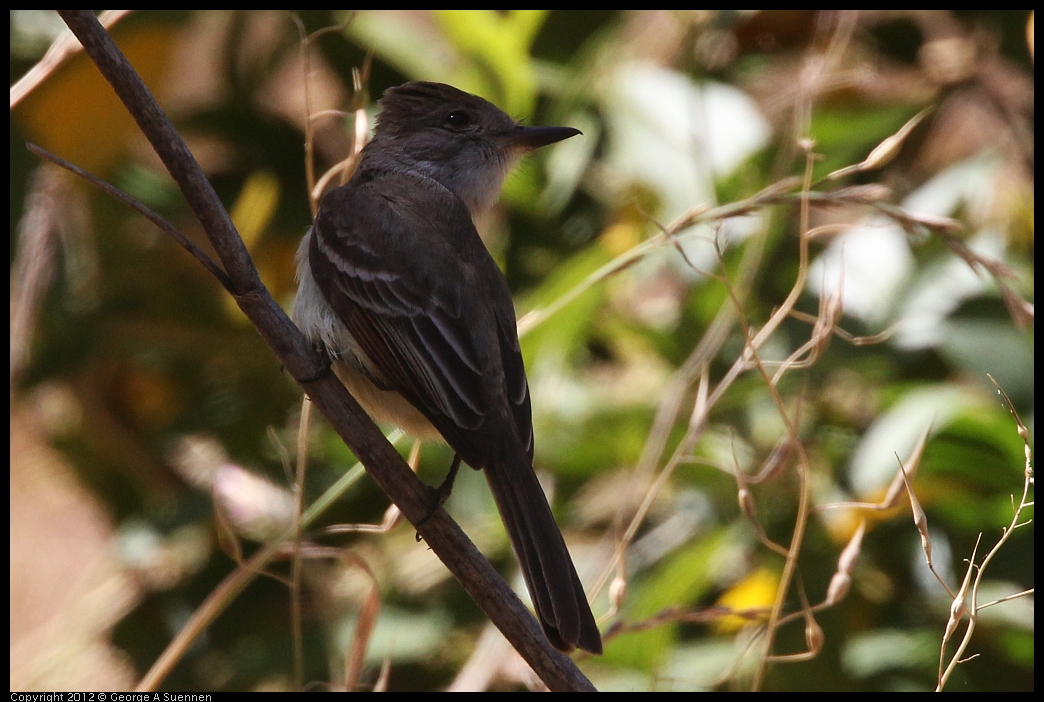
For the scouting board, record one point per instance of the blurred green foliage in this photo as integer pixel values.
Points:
(680, 109)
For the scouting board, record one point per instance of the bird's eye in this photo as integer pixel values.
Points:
(457, 119)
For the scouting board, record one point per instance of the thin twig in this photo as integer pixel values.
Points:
(307, 367)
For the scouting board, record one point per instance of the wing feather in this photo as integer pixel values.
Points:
(414, 316)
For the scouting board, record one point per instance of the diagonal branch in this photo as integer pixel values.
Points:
(306, 366)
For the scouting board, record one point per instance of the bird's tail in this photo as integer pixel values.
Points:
(558, 596)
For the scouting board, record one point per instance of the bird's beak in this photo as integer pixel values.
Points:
(529, 138)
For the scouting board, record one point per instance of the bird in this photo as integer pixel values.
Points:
(397, 287)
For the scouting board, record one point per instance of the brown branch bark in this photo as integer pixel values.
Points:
(306, 366)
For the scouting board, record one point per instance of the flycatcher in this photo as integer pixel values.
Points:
(398, 288)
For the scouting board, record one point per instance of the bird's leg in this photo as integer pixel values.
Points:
(442, 492)
(324, 370)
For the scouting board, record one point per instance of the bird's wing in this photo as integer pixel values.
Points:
(514, 369)
(406, 274)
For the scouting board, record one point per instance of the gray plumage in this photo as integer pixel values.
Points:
(396, 284)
